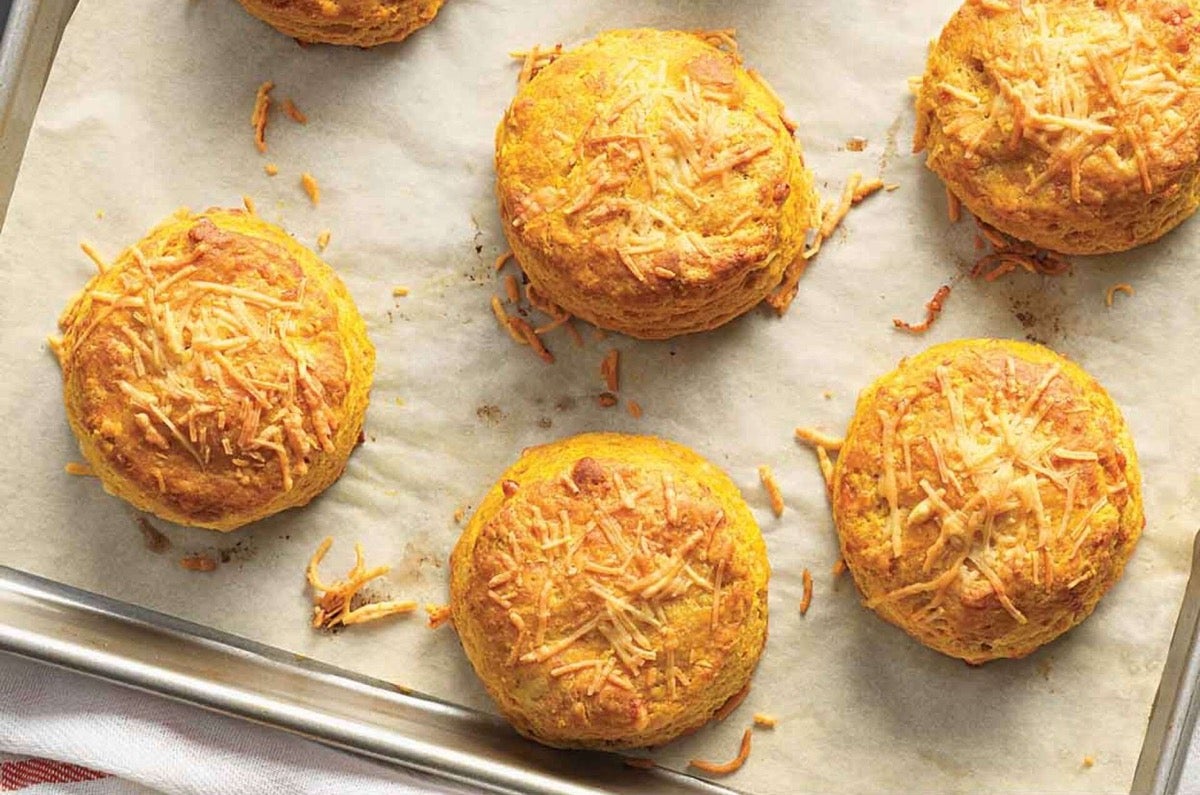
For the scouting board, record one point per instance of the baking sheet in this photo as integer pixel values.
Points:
(147, 109)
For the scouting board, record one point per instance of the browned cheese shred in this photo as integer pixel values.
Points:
(258, 118)
(933, 308)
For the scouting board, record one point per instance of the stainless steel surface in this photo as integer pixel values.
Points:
(150, 651)
(1173, 718)
(26, 51)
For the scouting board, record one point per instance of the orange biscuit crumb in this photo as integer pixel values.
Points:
(271, 169)
(635, 409)
(258, 118)
(806, 598)
(607, 400)
(399, 292)
(323, 239)
(772, 486)
(309, 183)
(503, 258)
(1088, 761)
(839, 568)
(856, 144)
(438, 615)
(721, 769)
(198, 562)
(765, 721)
(248, 203)
(77, 468)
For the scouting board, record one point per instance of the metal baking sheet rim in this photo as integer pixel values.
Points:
(69, 628)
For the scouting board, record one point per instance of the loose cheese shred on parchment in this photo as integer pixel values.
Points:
(309, 183)
(725, 768)
(832, 215)
(258, 118)
(1111, 294)
(331, 602)
(772, 486)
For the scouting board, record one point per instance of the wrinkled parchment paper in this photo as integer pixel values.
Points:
(147, 110)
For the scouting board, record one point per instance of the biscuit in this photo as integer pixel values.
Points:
(362, 23)
(651, 185)
(216, 372)
(986, 496)
(1073, 126)
(611, 591)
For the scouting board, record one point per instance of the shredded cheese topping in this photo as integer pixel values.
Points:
(644, 165)
(1008, 485)
(1099, 89)
(588, 566)
(219, 370)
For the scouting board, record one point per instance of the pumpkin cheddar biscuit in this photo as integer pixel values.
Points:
(1074, 126)
(216, 372)
(986, 496)
(651, 185)
(611, 592)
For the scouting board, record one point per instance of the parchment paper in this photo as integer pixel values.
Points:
(147, 110)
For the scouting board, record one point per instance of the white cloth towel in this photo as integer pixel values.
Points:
(146, 743)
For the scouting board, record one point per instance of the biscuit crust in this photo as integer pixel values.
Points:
(650, 184)
(1073, 126)
(216, 372)
(361, 23)
(987, 495)
(611, 592)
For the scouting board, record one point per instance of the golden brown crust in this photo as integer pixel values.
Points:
(217, 372)
(1074, 126)
(611, 592)
(987, 495)
(362, 23)
(651, 185)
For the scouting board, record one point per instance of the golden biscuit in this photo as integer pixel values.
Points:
(651, 185)
(987, 495)
(611, 591)
(363, 23)
(217, 372)
(1072, 125)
